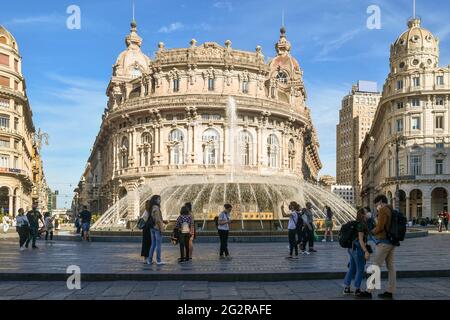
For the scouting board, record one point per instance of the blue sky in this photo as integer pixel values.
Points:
(67, 71)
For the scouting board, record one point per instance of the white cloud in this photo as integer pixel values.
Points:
(36, 19)
(223, 5)
(330, 45)
(171, 28)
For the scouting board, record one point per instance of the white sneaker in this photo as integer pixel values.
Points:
(149, 261)
(22, 248)
(305, 252)
(324, 240)
(160, 263)
(332, 240)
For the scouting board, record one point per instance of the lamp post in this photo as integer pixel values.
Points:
(398, 140)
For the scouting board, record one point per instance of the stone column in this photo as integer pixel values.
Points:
(226, 155)
(426, 207)
(258, 147)
(11, 199)
(407, 213)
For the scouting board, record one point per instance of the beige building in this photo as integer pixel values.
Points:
(21, 171)
(355, 118)
(205, 111)
(414, 115)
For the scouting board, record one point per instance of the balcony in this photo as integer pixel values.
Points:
(423, 177)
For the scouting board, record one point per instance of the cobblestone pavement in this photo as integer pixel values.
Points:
(427, 253)
(408, 289)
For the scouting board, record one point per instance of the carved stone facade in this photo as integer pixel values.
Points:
(414, 110)
(168, 116)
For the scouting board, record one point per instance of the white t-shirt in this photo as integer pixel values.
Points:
(224, 216)
(292, 225)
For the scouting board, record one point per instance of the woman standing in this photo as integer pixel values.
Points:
(184, 226)
(157, 225)
(193, 231)
(359, 254)
(146, 234)
(23, 228)
(293, 226)
(48, 223)
(328, 223)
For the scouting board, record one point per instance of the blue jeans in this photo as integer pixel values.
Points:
(356, 269)
(156, 243)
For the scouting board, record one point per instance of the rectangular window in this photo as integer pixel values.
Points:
(176, 85)
(16, 162)
(415, 102)
(439, 101)
(4, 59)
(440, 80)
(272, 92)
(169, 117)
(16, 65)
(440, 145)
(16, 144)
(399, 125)
(4, 121)
(4, 103)
(399, 84)
(205, 116)
(245, 86)
(415, 123)
(4, 142)
(4, 81)
(416, 165)
(4, 161)
(416, 81)
(439, 166)
(439, 122)
(16, 124)
(16, 85)
(211, 84)
(399, 105)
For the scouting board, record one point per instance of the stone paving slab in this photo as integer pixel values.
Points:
(418, 257)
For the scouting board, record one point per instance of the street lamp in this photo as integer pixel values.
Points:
(398, 140)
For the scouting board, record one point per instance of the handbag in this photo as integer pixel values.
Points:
(369, 248)
(141, 224)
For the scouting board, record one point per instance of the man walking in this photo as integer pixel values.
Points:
(385, 249)
(33, 217)
(223, 227)
(85, 217)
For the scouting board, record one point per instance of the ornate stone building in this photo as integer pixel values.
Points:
(172, 115)
(21, 170)
(355, 118)
(413, 114)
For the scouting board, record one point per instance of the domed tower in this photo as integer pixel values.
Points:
(415, 49)
(132, 63)
(286, 78)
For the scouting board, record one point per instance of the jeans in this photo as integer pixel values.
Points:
(292, 242)
(185, 239)
(356, 269)
(307, 237)
(48, 233)
(223, 235)
(385, 253)
(33, 235)
(156, 243)
(24, 234)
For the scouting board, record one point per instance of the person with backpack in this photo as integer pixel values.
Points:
(33, 216)
(23, 228)
(86, 218)
(308, 229)
(146, 233)
(328, 224)
(293, 226)
(184, 226)
(158, 226)
(359, 252)
(223, 228)
(193, 231)
(387, 240)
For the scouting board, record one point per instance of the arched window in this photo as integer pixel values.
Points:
(273, 147)
(135, 73)
(291, 151)
(210, 140)
(282, 77)
(245, 148)
(146, 149)
(3, 40)
(176, 138)
(124, 150)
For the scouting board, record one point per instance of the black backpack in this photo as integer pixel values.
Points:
(347, 234)
(397, 230)
(299, 224)
(216, 221)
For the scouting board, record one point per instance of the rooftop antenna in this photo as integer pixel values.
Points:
(414, 9)
(133, 11)
(282, 17)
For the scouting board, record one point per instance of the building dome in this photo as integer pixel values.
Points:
(7, 38)
(132, 62)
(284, 60)
(415, 48)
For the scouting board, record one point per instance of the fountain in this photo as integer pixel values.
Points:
(256, 199)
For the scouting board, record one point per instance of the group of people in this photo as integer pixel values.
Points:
(443, 221)
(300, 228)
(183, 234)
(27, 226)
(361, 251)
(83, 224)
